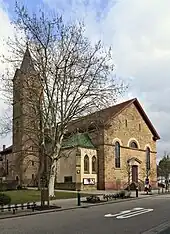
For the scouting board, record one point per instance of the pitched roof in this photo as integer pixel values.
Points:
(104, 115)
(7, 150)
(79, 139)
(27, 63)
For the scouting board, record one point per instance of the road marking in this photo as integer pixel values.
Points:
(126, 216)
(129, 213)
(139, 208)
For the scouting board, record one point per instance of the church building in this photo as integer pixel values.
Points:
(110, 149)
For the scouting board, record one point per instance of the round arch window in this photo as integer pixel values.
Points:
(134, 145)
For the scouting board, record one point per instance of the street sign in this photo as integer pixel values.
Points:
(129, 213)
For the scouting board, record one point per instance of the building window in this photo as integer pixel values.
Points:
(134, 145)
(126, 122)
(68, 179)
(139, 127)
(94, 164)
(33, 176)
(17, 178)
(147, 159)
(32, 163)
(86, 164)
(117, 154)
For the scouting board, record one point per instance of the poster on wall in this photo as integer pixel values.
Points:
(87, 181)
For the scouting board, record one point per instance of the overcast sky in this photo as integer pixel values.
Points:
(139, 33)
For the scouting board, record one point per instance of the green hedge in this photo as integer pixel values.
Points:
(4, 199)
(10, 185)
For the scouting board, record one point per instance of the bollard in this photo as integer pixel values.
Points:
(136, 191)
(22, 206)
(33, 206)
(28, 205)
(78, 198)
(9, 207)
(16, 207)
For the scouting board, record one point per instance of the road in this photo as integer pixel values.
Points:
(93, 221)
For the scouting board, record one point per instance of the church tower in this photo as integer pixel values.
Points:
(25, 127)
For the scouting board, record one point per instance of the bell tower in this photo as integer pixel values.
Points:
(24, 120)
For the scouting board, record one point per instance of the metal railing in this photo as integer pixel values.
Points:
(15, 207)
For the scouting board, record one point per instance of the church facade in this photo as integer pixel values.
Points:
(122, 150)
(111, 149)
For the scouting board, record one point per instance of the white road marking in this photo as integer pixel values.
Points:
(126, 211)
(129, 213)
(139, 208)
(111, 215)
(126, 216)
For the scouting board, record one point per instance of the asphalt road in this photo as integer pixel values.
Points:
(93, 221)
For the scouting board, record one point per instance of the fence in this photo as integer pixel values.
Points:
(16, 207)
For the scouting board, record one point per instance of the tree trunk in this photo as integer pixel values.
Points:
(51, 185)
(40, 172)
(128, 181)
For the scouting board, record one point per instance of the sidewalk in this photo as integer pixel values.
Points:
(67, 204)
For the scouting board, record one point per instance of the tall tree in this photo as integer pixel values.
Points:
(75, 77)
(164, 168)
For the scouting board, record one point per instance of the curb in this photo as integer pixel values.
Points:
(78, 207)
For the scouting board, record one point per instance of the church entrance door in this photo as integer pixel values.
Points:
(135, 173)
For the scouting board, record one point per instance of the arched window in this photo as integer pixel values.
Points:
(94, 164)
(148, 159)
(134, 145)
(117, 154)
(86, 164)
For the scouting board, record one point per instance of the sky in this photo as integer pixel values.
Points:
(138, 32)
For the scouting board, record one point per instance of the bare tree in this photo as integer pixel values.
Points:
(127, 171)
(73, 78)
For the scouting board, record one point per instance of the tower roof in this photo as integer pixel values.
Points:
(27, 65)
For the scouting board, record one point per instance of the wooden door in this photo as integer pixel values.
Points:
(135, 173)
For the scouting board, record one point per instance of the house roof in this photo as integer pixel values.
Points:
(104, 115)
(79, 139)
(7, 150)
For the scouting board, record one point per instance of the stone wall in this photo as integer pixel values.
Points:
(75, 186)
(65, 186)
(126, 127)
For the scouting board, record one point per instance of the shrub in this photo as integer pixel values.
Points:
(3, 187)
(20, 187)
(4, 199)
(93, 199)
(122, 194)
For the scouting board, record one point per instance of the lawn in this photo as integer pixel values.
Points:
(23, 196)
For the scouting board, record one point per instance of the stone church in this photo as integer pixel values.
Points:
(110, 149)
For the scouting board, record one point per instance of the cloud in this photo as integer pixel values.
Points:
(6, 30)
(139, 32)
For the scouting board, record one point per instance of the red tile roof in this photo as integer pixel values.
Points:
(105, 114)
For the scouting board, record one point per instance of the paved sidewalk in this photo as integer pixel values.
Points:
(67, 204)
